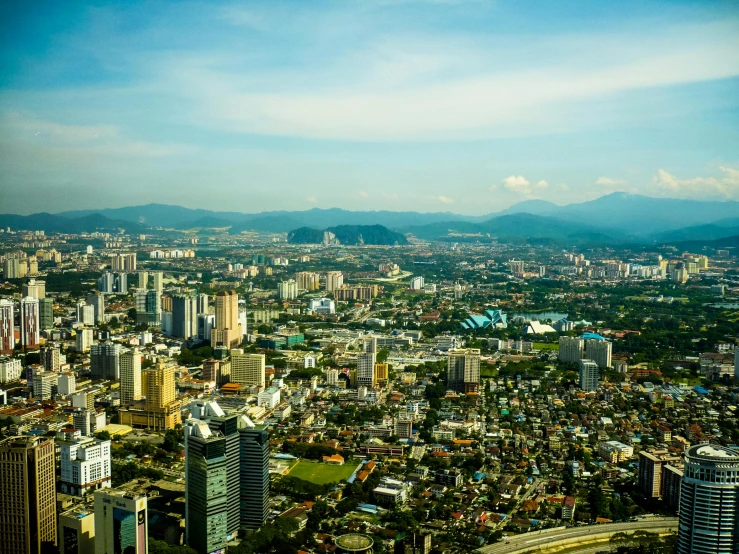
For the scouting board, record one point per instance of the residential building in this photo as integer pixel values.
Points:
(105, 361)
(130, 371)
(287, 290)
(29, 322)
(85, 313)
(157, 281)
(34, 288)
(10, 369)
(381, 373)
(143, 279)
(247, 369)
(416, 283)
(27, 495)
(67, 384)
(106, 283)
(97, 301)
(85, 465)
(366, 363)
(615, 451)
(50, 358)
(334, 280)
(160, 410)
(588, 375)
(227, 331)
(83, 340)
(463, 370)
(709, 502)
(308, 280)
(7, 327)
(121, 523)
(332, 377)
(45, 385)
(571, 349)
(599, 351)
(123, 262)
(651, 466)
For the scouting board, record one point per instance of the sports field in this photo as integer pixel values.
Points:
(320, 473)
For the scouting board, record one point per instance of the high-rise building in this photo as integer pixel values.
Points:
(202, 301)
(517, 267)
(105, 358)
(121, 523)
(120, 283)
(44, 385)
(417, 283)
(85, 465)
(46, 313)
(709, 501)
(49, 358)
(228, 331)
(248, 369)
(67, 384)
(308, 280)
(157, 281)
(77, 531)
(83, 340)
(651, 466)
(85, 313)
(149, 308)
(588, 375)
(287, 290)
(106, 283)
(82, 421)
(130, 369)
(27, 495)
(599, 351)
(10, 369)
(30, 336)
(254, 474)
(7, 327)
(206, 322)
(97, 301)
(571, 349)
(123, 262)
(143, 279)
(35, 288)
(184, 316)
(463, 370)
(334, 280)
(381, 373)
(161, 410)
(417, 543)
(366, 363)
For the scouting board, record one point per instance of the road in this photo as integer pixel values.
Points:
(529, 542)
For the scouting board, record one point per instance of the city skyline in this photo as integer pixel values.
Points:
(431, 105)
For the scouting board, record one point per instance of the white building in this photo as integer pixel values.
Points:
(121, 523)
(84, 340)
(10, 369)
(416, 283)
(322, 306)
(85, 465)
(67, 384)
(269, 398)
(287, 290)
(588, 375)
(332, 377)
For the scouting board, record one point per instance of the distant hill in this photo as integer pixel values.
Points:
(348, 235)
(725, 242)
(52, 223)
(709, 232)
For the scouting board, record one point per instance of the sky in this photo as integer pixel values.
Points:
(467, 106)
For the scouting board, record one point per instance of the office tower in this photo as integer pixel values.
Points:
(83, 340)
(463, 370)
(149, 308)
(381, 373)
(84, 399)
(206, 322)
(30, 337)
(308, 280)
(334, 280)
(366, 363)
(120, 283)
(588, 375)
(254, 466)
(143, 279)
(130, 364)
(106, 283)
(161, 410)
(651, 466)
(49, 358)
(85, 465)
(599, 351)
(417, 283)
(403, 428)
(44, 385)
(709, 501)
(77, 531)
(121, 523)
(46, 313)
(97, 301)
(571, 349)
(157, 281)
(35, 288)
(227, 331)
(85, 313)
(10, 369)
(248, 369)
(7, 327)
(287, 290)
(184, 316)
(202, 301)
(67, 384)
(82, 421)
(123, 262)
(105, 358)
(206, 487)
(27, 495)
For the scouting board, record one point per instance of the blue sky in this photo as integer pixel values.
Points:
(433, 105)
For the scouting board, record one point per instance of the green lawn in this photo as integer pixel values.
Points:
(320, 473)
(546, 346)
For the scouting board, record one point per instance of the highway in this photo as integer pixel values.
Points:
(533, 542)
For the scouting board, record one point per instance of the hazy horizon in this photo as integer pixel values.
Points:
(461, 106)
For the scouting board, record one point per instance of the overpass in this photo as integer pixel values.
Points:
(568, 537)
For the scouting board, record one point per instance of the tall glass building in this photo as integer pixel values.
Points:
(709, 515)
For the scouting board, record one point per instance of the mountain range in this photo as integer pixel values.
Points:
(617, 217)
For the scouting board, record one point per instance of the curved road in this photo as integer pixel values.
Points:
(530, 542)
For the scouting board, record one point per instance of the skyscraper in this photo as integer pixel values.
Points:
(30, 336)
(35, 288)
(105, 361)
(49, 358)
(463, 370)
(184, 316)
(149, 308)
(157, 281)
(161, 410)
(709, 501)
(227, 331)
(106, 283)
(588, 375)
(97, 301)
(27, 495)
(130, 364)
(143, 279)
(334, 280)
(46, 313)
(248, 369)
(121, 523)
(571, 349)
(254, 490)
(7, 327)
(366, 363)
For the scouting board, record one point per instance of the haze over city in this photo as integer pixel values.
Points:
(431, 105)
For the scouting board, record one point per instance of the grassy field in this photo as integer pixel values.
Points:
(546, 346)
(320, 473)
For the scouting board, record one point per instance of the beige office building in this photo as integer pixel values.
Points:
(247, 369)
(463, 370)
(227, 331)
(131, 388)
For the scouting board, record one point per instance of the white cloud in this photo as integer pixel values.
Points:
(363, 194)
(608, 182)
(443, 199)
(517, 184)
(311, 199)
(725, 185)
